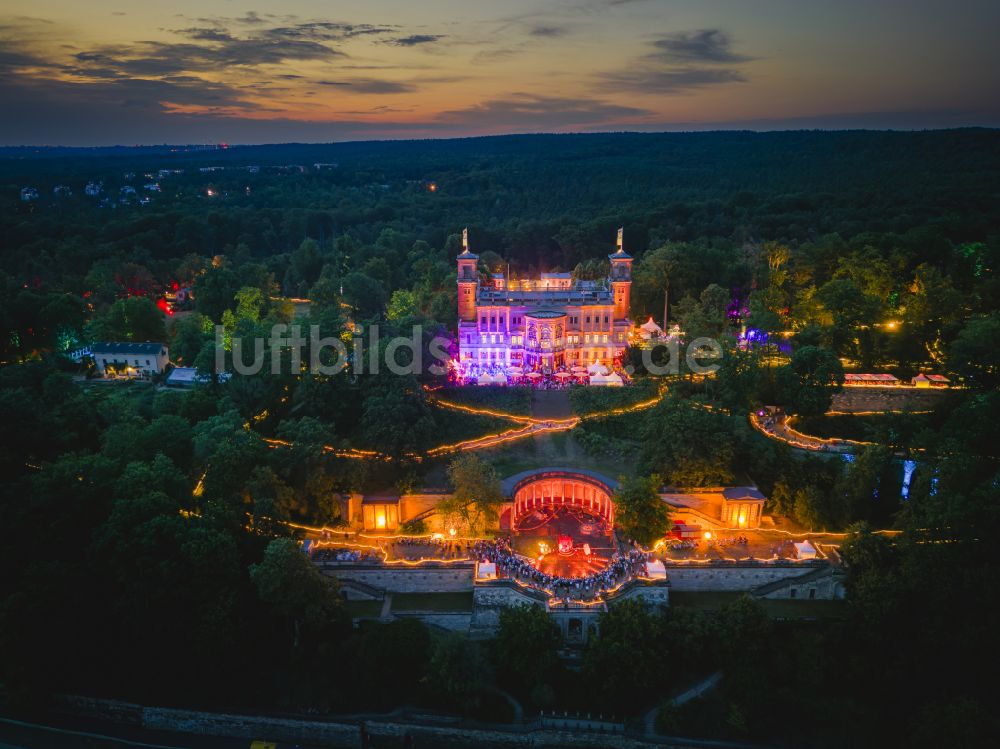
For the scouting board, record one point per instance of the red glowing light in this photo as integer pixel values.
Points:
(164, 306)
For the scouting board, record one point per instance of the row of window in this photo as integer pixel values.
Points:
(516, 320)
(575, 319)
(126, 363)
(572, 340)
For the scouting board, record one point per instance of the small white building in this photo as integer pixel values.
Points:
(187, 377)
(930, 381)
(650, 330)
(125, 359)
(742, 506)
(607, 380)
(804, 550)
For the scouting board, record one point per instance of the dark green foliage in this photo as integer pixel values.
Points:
(133, 319)
(809, 381)
(640, 513)
(689, 444)
(476, 494)
(512, 400)
(525, 650)
(627, 658)
(974, 352)
(588, 400)
(459, 670)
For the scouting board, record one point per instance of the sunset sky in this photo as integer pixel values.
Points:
(103, 72)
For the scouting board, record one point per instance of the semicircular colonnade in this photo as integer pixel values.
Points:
(561, 487)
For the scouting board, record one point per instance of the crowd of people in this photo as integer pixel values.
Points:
(471, 373)
(733, 541)
(620, 568)
(347, 556)
(681, 544)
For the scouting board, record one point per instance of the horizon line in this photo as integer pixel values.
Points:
(714, 131)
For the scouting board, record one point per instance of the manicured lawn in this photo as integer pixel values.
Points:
(456, 426)
(363, 609)
(588, 400)
(557, 449)
(708, 601)
(865, 428)
(432, 601)
(512, 400)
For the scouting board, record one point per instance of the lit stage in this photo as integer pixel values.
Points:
(559, 539)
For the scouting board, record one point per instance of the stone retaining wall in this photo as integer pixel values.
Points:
(345, 733)
(825, 588)
(711, 578)
(454, 621)
(390, 734)
(651, 595)
(855, 399)
(489, 599)
(251, 727)
(454, 578)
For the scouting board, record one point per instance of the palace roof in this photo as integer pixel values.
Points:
(510, 484)
(127, 347)
(547, 297)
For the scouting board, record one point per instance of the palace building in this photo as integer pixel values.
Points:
(545, 323)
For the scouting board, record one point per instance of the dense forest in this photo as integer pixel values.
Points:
(144, 525)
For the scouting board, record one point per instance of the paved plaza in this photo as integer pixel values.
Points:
(537, 536)
(736, 545)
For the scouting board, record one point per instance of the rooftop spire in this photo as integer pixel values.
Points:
(465, 246)
(620, 253)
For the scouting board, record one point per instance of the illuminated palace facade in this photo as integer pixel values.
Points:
(542, 324)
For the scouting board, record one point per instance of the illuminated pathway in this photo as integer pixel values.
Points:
(492, 440)
(528, 426)
(780, 428)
